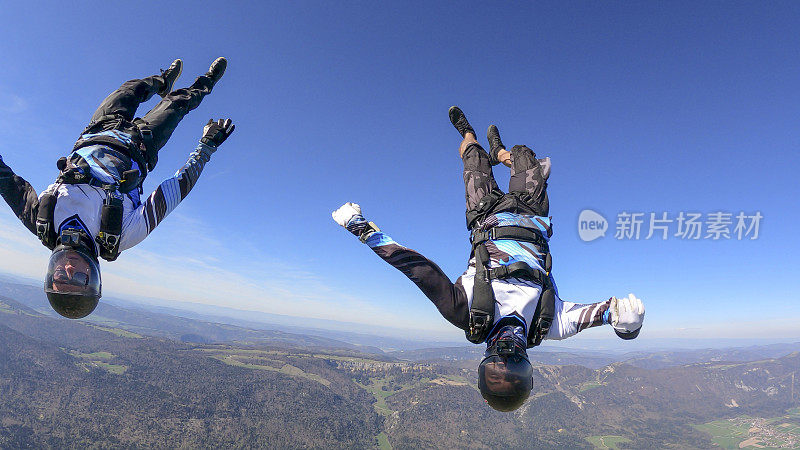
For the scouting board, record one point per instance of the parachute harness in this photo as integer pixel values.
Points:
(481, 313)
(108, 238)
(139, 149)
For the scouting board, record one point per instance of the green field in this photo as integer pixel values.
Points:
(748, 432)
(725, 433)
(375, 387)
(116, 369)
(5, 308)
(96, 356)
(228, 350)
(119, 332)
(286, 369)
(99, 360)
(383, 442)
(590, 385)
(607, 442)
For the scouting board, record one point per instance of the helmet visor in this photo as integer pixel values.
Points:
(73, 272)
(505, 376)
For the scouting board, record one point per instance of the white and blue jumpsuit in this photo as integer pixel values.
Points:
(78, 205)
(112, 144)
(514, 297)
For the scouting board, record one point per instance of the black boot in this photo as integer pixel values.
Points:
(459, 120)
(170, 75)
(217, 69)
(495, 144)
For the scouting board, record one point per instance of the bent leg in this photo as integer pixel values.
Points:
(162, 120)
(125, 100)
(529, 176)
(478, 177)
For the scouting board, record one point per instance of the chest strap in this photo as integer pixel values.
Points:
(141, 140)
(513, 233)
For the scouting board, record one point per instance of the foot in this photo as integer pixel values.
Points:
(459, 120)
(217, 69)
(170, 75)
(495, 145)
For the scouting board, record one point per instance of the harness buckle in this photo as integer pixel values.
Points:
(477, 237)
(478, 326)
(43, 231)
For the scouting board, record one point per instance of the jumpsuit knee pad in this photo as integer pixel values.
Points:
(476, 158)
(522, 158)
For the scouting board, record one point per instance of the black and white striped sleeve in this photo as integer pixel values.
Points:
(165, 198)
(572, 318)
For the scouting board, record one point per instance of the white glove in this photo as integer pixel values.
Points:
(627, 313)
(346, 212)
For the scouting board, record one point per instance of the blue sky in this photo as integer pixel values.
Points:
(642, 106)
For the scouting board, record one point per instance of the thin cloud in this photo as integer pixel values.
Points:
(268, 286)
(12, 103)
(187, 271)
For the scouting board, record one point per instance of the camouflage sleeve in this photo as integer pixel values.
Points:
(20, 196)
(449, 298)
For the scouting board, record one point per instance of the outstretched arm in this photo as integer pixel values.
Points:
(174, 189)
(625, 315)
(450, 299)
(20, 196)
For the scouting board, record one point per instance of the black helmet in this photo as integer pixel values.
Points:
(72, 283)
(505, 374)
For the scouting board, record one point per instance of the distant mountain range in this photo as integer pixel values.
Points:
(218, 325)
(31, 294)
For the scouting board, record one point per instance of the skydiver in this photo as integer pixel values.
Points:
(94, 208)
(507, 296)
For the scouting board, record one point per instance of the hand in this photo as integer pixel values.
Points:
(215, 133)
(349, 216)
(347, 212)
(627, 313)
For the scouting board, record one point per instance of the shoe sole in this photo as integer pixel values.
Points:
(455, 113)
(216, 61)
(180, 72)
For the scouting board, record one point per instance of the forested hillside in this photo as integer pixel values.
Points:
(78, 383)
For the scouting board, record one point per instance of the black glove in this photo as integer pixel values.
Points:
(215, 133)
